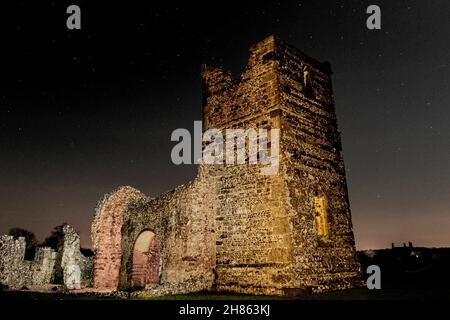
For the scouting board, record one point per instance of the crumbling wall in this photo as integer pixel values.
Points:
(12, 253)
(76, 269)
(16, 272)
(182, 222)
(66, 263)
(43, 265)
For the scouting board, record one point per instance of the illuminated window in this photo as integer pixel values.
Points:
(307, 85)
(306, 78)
(321, 216)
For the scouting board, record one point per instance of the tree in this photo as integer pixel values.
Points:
(55, 237)
(87, 252)
(30, 239)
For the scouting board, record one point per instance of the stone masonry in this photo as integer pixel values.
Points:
(72, 266)
(65, 266)
(17, 272)
(233, 229)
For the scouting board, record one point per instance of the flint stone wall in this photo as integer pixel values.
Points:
(16, 272)
(67, 265)
(75, 268)
(177, 218)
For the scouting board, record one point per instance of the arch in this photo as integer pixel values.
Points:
(145, 270)
(307, 84)
(107, 235)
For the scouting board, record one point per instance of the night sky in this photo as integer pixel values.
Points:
(85, 111)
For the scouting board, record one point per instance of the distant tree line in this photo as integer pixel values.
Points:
(53, 240)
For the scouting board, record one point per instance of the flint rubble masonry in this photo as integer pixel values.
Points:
(66, 265)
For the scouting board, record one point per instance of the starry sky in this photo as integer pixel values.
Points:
(85, 111)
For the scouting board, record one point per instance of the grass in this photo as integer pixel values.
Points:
(389, 291)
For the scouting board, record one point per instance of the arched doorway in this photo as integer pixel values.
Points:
(146, 261)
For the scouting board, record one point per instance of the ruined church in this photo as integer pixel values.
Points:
(233, 229)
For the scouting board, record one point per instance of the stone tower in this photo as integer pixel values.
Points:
(232, 228)
(293, 230)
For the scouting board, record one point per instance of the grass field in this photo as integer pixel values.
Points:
(388, 292)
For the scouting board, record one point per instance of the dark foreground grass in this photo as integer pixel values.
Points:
(388, 292)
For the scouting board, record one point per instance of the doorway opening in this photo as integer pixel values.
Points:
(146, 261)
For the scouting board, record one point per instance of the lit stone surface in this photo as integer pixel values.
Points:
(72, 277)
(233, 229)
(66, 265)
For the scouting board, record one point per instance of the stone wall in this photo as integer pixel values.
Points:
(176, 218)
(66, 265)
(16, 272)
(75, 268)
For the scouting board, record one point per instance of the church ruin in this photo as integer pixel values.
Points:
(233, 229)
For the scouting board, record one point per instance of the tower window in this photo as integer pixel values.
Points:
(306, 78)
(321, 216)
(307, 85)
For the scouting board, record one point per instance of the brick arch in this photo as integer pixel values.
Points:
(145, 268)
(107, 237)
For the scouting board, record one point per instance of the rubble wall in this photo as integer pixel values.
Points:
(15, 272)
